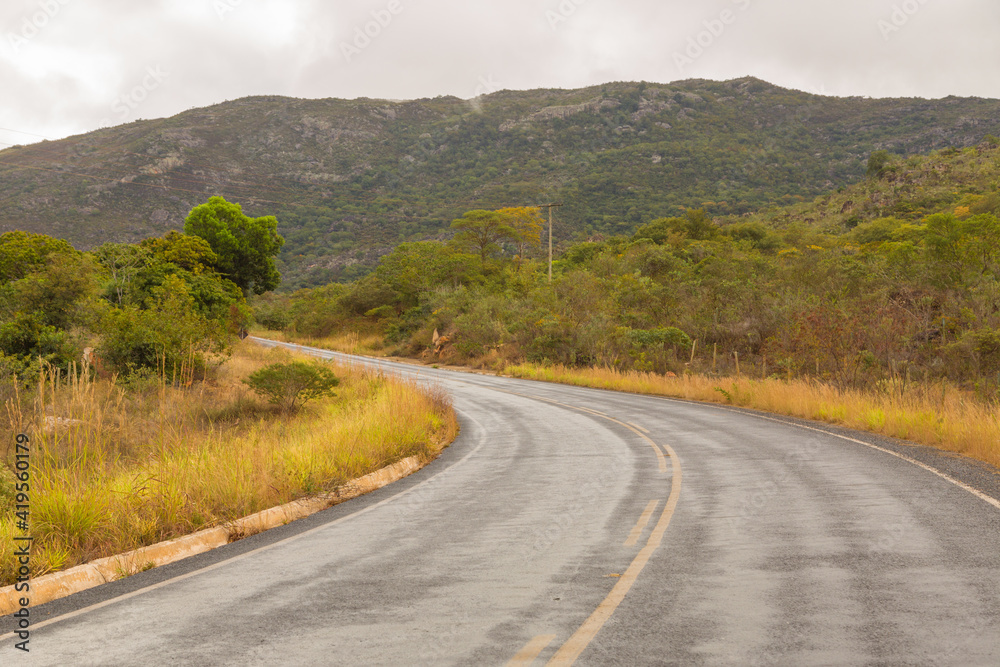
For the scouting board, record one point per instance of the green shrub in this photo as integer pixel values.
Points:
(7, 489)
(272, 319)
(171, 336)
(291, 385)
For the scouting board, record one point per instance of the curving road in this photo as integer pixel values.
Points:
(570, 524)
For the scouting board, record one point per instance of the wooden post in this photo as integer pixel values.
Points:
(715, 355)
(693, 348)
(736, 354)
(550, 207)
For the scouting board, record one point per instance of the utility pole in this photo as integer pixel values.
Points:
(550, 244)
(550, 207)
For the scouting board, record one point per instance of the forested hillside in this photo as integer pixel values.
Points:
(892, 280)
(351, 179)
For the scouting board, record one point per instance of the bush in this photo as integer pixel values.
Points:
(878, 164)
(27, 338)
(273, 319)
(291, 385)
(170, 337)
(8, 481)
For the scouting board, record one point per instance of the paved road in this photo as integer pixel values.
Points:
(574, 524)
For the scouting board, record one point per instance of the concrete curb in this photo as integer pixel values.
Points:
(103, 570)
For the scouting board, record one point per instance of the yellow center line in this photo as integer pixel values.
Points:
(660, 457)
(587, 410)
(640, 526)
(632, 427)
(639, 427)
(527, 655)
(581, 639)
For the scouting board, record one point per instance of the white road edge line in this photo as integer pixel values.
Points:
(948, 478)
(750, 412)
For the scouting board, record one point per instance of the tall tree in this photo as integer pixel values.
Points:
(246, 247)
(482, 231)
(122, 262)
(527, 224)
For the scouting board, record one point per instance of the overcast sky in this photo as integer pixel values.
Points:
(71, 66)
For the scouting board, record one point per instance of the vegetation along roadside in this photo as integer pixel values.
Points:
(876, 306)
(148, 417)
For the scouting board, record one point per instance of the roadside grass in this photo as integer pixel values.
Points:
(939, 415)
(114, 468)
(348, 342)
(936, 414)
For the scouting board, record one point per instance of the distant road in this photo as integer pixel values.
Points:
(576, 524)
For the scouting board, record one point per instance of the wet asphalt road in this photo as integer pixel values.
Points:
(788, 545)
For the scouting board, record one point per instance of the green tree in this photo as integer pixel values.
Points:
(170, 336)
(122, 263)
(47, 298)
(982, 245)
(943, 236)
(245, 247)
(412, 269)
(186, 251)
(60, 293)
(695, 225)
(526, 223)
(22, 253)
(25, 337)
(482, 231)
(191, 259)
(878, 164)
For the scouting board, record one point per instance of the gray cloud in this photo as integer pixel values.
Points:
(66, 66)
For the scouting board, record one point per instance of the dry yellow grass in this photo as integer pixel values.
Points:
(937, 415)
(349, 342)
(115, 469)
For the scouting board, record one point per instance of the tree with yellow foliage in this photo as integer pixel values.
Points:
(527, 223)
(481, 232)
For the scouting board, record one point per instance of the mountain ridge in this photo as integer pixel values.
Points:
(350, 179)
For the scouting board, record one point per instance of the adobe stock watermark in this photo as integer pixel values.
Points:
(372, 30)
(33, 24)
(486, 86)
(563, 12)
(889, 536)
(714, 29)
(124, 105)
(820, 90)
(223, 7)
(900, 16)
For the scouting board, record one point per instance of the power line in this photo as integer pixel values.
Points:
(30, 134)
